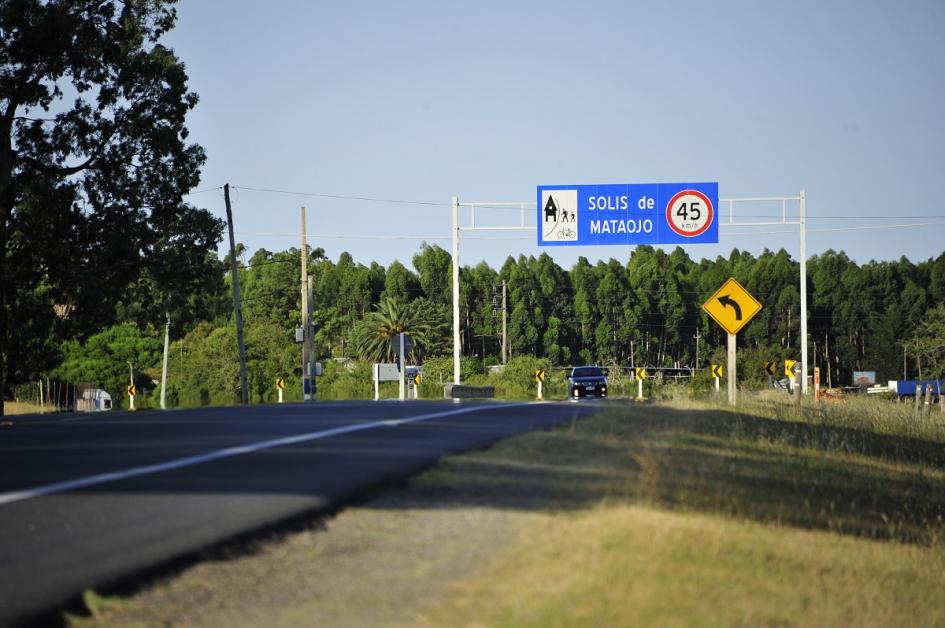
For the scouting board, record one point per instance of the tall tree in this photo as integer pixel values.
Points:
(434, 265)
(586, 313)
(94, 163)
(400, 284)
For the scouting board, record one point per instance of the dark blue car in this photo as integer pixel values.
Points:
(587, 380)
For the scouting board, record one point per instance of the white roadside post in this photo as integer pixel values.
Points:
(167, 340)
(377, 379)
(732, 370)
(131, 387)
(400, 359)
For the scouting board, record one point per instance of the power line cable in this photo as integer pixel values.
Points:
(370, 199)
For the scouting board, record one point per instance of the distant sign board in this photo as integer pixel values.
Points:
(385, 372)
(628, 214)
(864, 378)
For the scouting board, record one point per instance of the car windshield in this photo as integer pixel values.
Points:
(587, 371)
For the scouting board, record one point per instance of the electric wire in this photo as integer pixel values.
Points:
(370, 199)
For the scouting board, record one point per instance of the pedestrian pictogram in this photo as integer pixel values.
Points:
(718, 370)
(732, 306)
(771, 368)
(640, 372)
(280, 383)
(132, 391)
(539, 375)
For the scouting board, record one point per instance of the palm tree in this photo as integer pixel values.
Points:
(371, 337)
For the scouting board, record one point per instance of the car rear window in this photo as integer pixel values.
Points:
(587, 371)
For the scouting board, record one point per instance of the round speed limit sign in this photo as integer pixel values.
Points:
(689, 213)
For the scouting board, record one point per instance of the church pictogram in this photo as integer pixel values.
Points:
(559, 215)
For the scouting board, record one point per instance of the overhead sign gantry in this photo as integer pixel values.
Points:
(628, 213)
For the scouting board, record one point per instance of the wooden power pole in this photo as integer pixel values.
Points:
(244, 384)
(306, 315)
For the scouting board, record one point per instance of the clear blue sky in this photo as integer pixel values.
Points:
(427, 100)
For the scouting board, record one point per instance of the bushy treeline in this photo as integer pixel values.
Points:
(644, 312)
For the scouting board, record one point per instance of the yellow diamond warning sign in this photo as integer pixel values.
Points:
(732, 306)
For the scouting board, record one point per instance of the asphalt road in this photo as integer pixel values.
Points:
(88, 500)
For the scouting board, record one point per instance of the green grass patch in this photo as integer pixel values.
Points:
(640, 566)
(686, 513)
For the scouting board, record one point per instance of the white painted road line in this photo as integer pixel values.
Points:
(114, 476)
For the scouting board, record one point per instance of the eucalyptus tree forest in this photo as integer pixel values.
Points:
(643, 311)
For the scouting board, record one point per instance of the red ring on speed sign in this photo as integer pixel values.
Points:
(710, 214)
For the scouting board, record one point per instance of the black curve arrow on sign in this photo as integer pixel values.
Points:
(727, 300)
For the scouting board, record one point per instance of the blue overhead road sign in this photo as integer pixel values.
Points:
(628, 213)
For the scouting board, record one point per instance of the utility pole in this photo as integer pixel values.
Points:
(504, 326)
(313, 373)
(802, 206)
(244, 384)
(167, 338)
(306, 327)
(455, 232)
